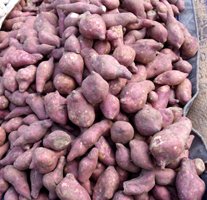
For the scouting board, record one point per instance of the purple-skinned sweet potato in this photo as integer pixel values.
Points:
(3, 149)
(139, 75)
(140, 156)
(107, 184)
(36, 103)
(161, 193)
(110, 107)
(57, 140)
(30, 119)
(183, 66)
(184, 91)
(98, 92)
(98, 171)
(70, 188)
(45, 160)
(134, 95)
(11, 194)
(196, 188)
(72, 168)
(88, 138)
(18, 180)
(72, 64)
(72, 44)
(13, 124)
(36, 183)
(17, 98)
(123, 158)
(105, 152)
(87, 165)
(168, 144)
(52, 179)
(122, 132)
(4, 103)
(3, 184)
(174, 54)
(2, 136)
(80, 112)
(55, 106)
(152, 97)
(116, 85)
(167, 117)
(121, 196)
(33, 133)
(143, 183)
(44, 73)
(71, 19)
(143, 196)
(102, 47)
(148, 121)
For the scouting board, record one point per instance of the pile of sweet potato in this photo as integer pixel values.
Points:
(91, 98)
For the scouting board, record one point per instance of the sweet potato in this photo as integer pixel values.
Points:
(36, 103)
(3, 149)
(196, 188)
(72, 64)
(134, 95)
(199, 165)
(152, 97)
(30, 119)
(72, 44)
(107, 184)
(125, 55)
(134, 35)
(168, 144)
(71, 19)
(184, 91)
(2, 136)
(172, 77)
(123, 176)
(11, 194)
(173, 54)
(57, 140)
(72, 168)
(87, 165)
(105, 152)
(44, 160)
(17, 98)
(13, 124)
(146, 50)
(36, 183)
(3, 184)
(122, 132)
(139, 75)
(98, 92)
(116, 85)
(25, 77)
(44, 73)
(52, 179)
(92, 27)
(4, 103)
(88, 138)
(167, 117)
(110, 107)
(121, 196)
(123, 159)
(139, 152)
(102, 47)
(148, 121)
(9, 78)
(160, 64)
(69, 188)
(23, 161)
(14, 177)
(183, 66)
(161, 193)
(142, 184)
(143, 196)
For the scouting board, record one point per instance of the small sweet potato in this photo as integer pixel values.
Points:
(98, 171)
(13, 124)
(142, 184)
(152, 97)
(134, 35)
(122, 132)
(52, 179)
(80, 112)
(87, 165)
(71, 19)
(44, 73)
(161, 193)
(9, 78)
(4, 103)
(3, 184)
(69, 188)
(167, 117)
(139, 75)
(116, 85)
(2, 136)
(107, 184)
(140, 156)
(183, 66)
(3, 149)
(148, 121)
(72, 44)
(123, 159)
(174, 55)
(199, 165)
(102, 47)
(36, 183)
(184, 91)
(98, 92)
(11, 194)
(105, 152)
(30, 119)
(134, 95)
(17, 98)
(72, 64)
(57, 140)
(15, 177)
(196, 188)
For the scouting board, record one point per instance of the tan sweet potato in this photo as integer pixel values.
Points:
(15, 177)
(80, 112)
(107, 184)
(123, 158)
(11, 194)
(105, 152)
(142, 184)
(168, 144)
(69, 188)
(52, 179)
(134, 95)
(196, 188)
(122, 132)
(148, 121)
(140, 156)
(98, 92)
(87, 165)
(36, 183)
